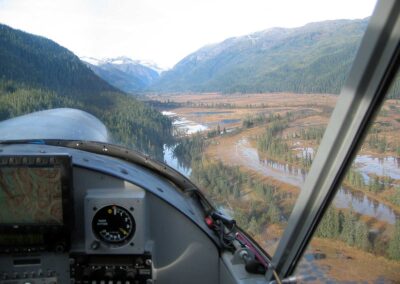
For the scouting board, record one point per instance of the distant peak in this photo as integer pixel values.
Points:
(122, 60)
(152, 65)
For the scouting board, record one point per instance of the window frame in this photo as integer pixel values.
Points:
(370, 77)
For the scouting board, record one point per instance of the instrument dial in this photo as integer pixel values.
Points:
(113, 225)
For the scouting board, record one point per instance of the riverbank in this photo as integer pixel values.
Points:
(236, 150)
(249, 203)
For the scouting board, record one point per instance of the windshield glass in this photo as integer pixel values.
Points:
(368, 227)
(235, 96)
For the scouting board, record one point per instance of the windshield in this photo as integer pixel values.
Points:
(235, 96)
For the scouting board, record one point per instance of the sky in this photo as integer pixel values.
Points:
(164, 31)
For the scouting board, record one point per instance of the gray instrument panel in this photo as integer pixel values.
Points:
(133, 201)
(167, 245)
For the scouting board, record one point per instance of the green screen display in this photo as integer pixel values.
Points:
(30, 195)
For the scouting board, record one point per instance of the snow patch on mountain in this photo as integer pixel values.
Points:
(122, 60)
(91, 60)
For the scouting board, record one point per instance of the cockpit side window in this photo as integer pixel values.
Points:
(351, 237)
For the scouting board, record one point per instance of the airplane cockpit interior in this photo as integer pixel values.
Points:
(76, 208)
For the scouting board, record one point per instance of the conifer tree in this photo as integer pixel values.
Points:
(394, 244)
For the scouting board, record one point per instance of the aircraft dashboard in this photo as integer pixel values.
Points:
(70, 216)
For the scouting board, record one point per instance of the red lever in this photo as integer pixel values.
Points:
(209, 222)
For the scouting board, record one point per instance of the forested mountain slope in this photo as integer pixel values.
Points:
(314, 58)
(37, 73)
(42, 63)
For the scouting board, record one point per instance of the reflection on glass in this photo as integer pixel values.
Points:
(364, 233)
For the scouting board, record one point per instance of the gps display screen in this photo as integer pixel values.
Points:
(31, 195)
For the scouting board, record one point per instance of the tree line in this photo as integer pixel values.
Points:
(131, 123)
(272, 145)
(189, 149)
(226, 186)
(347, 227)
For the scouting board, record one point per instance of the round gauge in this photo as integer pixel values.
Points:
(113, 225)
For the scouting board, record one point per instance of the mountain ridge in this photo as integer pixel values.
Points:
(37, 74)
(313, 58)
(124, 73)
(22, 56)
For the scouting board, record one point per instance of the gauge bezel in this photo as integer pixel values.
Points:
(111, 243)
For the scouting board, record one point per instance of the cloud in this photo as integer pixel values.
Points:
(164, 31)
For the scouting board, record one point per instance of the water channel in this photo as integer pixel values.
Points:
(345, 198)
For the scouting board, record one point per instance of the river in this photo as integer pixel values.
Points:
(345, 198)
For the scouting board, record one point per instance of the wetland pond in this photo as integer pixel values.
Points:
(248, 157)
(345, 198)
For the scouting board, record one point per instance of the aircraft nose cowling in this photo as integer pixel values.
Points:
(60, 123)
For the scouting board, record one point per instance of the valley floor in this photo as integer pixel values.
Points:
(232, 120)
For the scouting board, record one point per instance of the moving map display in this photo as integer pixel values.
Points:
(31, 195)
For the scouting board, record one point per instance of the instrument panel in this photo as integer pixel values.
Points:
(42, 232)
(121, 222)
(114, 221)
